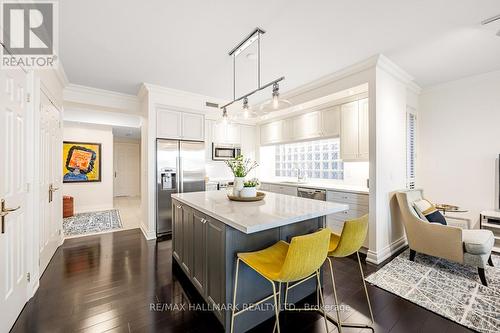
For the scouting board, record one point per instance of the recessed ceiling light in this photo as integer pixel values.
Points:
(251, 56)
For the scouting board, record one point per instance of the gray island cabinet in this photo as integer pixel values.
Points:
(209, 230)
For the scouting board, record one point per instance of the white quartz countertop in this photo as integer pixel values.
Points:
(320, 185)
(274, 211)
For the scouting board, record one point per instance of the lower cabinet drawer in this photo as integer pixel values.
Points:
(347, 197)
(265, 187)
(334, 224)
(348, 215)
(283, 189)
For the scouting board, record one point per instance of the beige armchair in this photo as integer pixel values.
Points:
(470, 247)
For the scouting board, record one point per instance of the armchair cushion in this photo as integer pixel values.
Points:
(478, 241)
(428, 212)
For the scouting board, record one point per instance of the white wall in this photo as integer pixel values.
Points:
(388, 161)
(458, 136)
(96, 195)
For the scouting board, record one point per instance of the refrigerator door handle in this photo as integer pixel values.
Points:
(180, 175)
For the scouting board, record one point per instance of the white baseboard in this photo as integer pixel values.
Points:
(147, 234)
(34, 287)
(377, 257)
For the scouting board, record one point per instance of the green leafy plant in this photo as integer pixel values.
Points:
(251, 183)
(241, 166)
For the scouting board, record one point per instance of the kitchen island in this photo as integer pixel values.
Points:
(209, 230)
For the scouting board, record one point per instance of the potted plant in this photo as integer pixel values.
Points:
(249, 189)
(240, 167)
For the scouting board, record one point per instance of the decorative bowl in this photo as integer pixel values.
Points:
(260, 196)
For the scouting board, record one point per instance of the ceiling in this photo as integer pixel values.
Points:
(118, 44)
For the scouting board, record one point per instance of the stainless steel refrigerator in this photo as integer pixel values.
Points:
(180, 168)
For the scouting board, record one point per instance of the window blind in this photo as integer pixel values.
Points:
(411, 149)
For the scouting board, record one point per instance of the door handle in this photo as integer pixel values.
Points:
(52, 189)
(4, 212)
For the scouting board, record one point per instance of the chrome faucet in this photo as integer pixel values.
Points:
(301, 176)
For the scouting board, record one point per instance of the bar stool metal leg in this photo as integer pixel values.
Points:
(337, 305)
(320, 292)
(276, 307)
(279, 303)
(366, 290)
(234, 294)
(339, 324)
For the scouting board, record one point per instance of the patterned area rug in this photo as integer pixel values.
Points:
(90, 223)
(449, 289)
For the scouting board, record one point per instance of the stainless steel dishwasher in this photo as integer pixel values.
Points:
(311, 193)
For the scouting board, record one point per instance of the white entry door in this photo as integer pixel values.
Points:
(13, 281)
(50, 175)
(127, 165)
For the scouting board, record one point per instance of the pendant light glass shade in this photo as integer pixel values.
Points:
(246, 111)
(276, 102)
(224, 120)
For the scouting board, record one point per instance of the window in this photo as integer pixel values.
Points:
(318, 159)
(411, 149)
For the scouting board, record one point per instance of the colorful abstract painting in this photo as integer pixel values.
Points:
(81, 162)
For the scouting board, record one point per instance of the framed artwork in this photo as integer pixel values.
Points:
(81, 162)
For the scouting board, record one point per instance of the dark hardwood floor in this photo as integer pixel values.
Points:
(107, 283)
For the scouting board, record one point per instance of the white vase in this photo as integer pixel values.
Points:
(239, 183)
(248, 192)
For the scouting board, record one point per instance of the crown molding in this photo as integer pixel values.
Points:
(99, 97)
(392, 68)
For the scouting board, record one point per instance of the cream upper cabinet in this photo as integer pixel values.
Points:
(218, 132)
(229, 133)
(179, 125)
(354, 136)
(307, 126)
(349, 139)
(364, 130)
(348, 121)
(330, 121)
(276, 131)
(233, 134)
(193, 126)
(271, 132)
(247, 134)
(168, 124)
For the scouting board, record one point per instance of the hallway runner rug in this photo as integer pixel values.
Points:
(449, 289)
(91, 223)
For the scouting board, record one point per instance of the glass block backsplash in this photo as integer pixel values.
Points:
(319, 159)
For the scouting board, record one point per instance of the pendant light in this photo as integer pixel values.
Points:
(276, 102)
(224, 120)
(246, 112)
(245, 108)
(276, 95)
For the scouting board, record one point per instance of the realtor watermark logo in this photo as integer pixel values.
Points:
(29, 34)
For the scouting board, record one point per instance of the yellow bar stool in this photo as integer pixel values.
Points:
(284, 263)
(348, 242)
